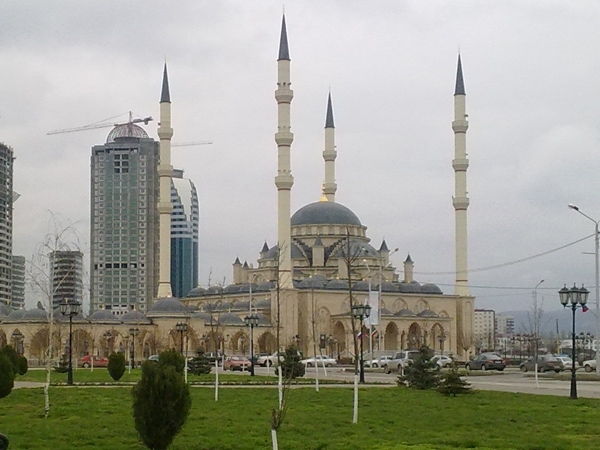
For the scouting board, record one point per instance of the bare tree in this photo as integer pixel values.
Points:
(38, 271)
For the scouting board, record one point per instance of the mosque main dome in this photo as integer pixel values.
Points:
(325, 213)
(126, 130)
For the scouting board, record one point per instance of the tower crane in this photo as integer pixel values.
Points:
(104, 124)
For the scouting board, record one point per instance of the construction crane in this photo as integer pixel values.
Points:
(187, 144)
(104, 124)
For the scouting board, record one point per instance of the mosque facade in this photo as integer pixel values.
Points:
(301, 289)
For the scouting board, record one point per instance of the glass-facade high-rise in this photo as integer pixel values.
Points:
(184, 235)
(124, 221)
(18, 282)
(6, 222)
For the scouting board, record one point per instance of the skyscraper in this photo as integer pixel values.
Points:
(184, 235)
(6, 222)
(18, 282)
(124, 220)
(66, 273)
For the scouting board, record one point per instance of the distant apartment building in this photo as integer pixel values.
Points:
(6, 222)
(124, 221)
(184, 235)
(18, 282)
(66, 273)
(484, 329)
(505, 325)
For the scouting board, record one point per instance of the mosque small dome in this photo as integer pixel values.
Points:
(361, 286)
(263, 304)
(411, 287)
(127, 130)
(134, 316)
(427, 313)
(232, 289)
(201, 315)
(324, 213)
(197, 292)
(103, 315)
(224, 306)
(35, 314)
(262, 320)
(430, 288)
(314, 282)
(265, 286)
(387, 286)
(213, 290)
(274, 252)
(167, 305)
(242, 305)
(5, 310)
(17, 314)
(385, 312)
(337, 285)
(405, 313)
(230, 319)
(245, 288)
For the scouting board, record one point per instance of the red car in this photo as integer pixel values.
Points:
(236, 363)
(86, 361)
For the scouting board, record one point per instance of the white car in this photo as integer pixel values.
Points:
(567, 362)
(325, 361)
(589, 365)
(442, 361)
(271, 360)
(378, 362)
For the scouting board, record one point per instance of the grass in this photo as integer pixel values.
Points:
(389, 419)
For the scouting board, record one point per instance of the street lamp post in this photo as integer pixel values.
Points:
(251, 321)
(133, 332)
(181, 327)
(597, 289)
(573, 298)
(442, 338)
(70, 308)
(107, 335)
(18, 338)
(361, 312)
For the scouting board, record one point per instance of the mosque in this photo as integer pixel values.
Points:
(301, 290)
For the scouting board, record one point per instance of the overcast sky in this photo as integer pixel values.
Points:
(531, 69)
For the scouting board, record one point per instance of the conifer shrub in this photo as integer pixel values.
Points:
(13, 357)
(199, 364)
(451, 384)
(7, 375)
(422, 373)
(291, 367)
(22, 365)
(173, 358)
(161, 404)
(116, 365)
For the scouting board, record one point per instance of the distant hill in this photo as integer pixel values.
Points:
(585, 322)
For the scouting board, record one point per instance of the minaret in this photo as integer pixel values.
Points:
(165, 171)
(329, 154)
(460, 201)
(284, 179)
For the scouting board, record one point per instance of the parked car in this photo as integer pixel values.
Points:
(544, 363)
(320, 361)
(442, 361)
(486, 361)
(400, 360)
(153, 358)
(567, 362)
(211, 357)
(589, 365)
(87, 360)
(240, 363)
(271, 360)
(378, 362)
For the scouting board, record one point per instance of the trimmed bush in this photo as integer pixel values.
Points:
(423, 373)
(161, 404)
(7, 375)
(173, 358)
(116, 365)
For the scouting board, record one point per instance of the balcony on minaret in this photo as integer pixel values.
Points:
(460, 126)
(460, 203)
(284, 138)
(284, 95)
(460, 164)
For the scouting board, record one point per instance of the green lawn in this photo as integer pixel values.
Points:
(389, 419)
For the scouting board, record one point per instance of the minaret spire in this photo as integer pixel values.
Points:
(284, 179)
(165, 172)
(460, 201)
(329, 155)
